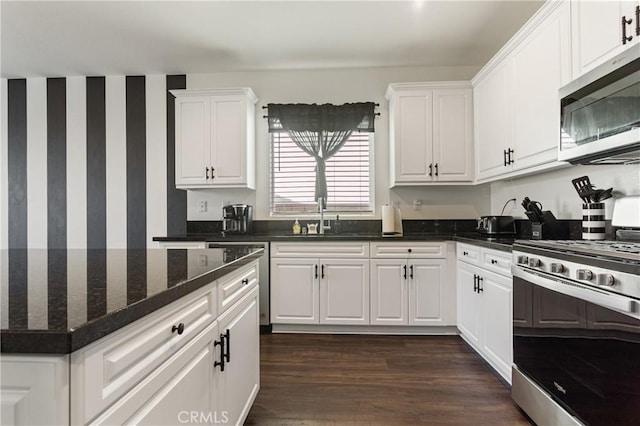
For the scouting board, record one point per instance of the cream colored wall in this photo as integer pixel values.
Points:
(556, 193)
(339, 86)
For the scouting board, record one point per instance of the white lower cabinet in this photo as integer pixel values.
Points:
(376, 284)
(294, 291)
(408, 292)
(194, 361)
(182, 387)
(485, 308)
(239, 383)
(319, 291)
(34, 390)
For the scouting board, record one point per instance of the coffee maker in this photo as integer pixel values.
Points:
(237, 219)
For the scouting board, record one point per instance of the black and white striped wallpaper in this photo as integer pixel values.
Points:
(89, 162)
(86, 162)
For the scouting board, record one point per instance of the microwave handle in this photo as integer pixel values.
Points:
(618, 303)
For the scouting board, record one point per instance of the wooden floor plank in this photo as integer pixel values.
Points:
(322, 380)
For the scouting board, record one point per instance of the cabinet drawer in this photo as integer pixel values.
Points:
(315, 249)
(235, 285)
(497, 261)
(411, 250)
(468, 253)
(105, 371)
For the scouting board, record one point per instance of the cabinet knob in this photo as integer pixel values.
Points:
(409, 250)
(465, 253)
(179, 328)
(493, 261)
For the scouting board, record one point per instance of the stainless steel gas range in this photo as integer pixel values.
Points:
(576, 326)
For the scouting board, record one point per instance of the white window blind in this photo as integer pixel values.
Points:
(293, 176)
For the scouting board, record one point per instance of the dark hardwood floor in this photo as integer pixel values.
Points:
(319, 379)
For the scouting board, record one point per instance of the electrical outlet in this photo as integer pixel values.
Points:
(202, 206)
(417, 205)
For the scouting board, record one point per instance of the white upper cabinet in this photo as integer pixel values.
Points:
(215, 138)
(430, 132)
(597, 31)
(517, 110)
(541, 65)
(492, 124)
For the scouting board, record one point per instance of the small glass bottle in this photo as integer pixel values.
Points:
(296, 227)
(337, 225)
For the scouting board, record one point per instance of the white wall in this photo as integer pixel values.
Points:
(339, 86)
(556, 193)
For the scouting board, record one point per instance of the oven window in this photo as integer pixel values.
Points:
(585, 356)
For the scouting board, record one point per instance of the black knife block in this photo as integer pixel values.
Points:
(549, 228)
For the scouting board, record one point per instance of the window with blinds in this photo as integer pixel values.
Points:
(293, 176)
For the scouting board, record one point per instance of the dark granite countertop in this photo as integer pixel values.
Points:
(503, 244)
(58, 301)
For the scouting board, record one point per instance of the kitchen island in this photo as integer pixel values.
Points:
(117, 336)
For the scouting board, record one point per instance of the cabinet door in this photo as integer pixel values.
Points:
(228, 141)
(32, 390)
(492, 117)
(240, 381)
(183, 385)
(412, 137)
(468, 306)
(294, 291)
(389, 298)
(344, 291)
(193, 141)
(541, 65)
(596, 28)
(497, 335)
(452, 135)
(427, 292)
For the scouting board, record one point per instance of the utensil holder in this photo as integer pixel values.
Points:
(593, 224)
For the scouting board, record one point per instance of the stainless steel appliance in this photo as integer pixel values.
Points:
(496, 225)
(576, 331)
(231, 250)
(600, 113)
(237, 219)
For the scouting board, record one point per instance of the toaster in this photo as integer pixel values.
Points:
(496, 225)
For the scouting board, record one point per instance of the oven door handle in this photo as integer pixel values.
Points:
(596, 296)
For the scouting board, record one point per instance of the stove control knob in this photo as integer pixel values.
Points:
(584, 274)
(557, 268)
(523, 260)
(606, 279)
(535, 263)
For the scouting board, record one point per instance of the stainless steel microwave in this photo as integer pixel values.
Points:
(600, 113)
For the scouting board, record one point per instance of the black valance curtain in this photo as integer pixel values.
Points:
(321, 130)
(318, 118)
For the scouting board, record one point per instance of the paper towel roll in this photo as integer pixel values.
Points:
(388, 219)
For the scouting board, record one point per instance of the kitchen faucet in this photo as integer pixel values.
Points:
(321, 211)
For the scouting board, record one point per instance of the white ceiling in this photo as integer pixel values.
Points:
(52, 38)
